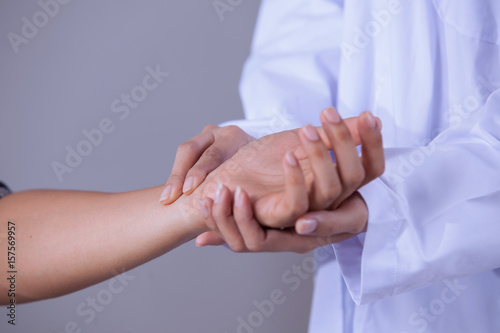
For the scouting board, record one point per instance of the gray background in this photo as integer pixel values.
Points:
(64, 80)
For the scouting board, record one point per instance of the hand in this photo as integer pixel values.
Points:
(278, 188)
(345, 177)
(243, 233)
(203, 153)
(329, 183)
(199, 156)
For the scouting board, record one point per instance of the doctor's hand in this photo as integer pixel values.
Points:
(330, 185)
(235, 224)
(203, 153)
(197, 157)
(283, 186)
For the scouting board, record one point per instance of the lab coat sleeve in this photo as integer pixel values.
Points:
(434, 215)
(293, 65)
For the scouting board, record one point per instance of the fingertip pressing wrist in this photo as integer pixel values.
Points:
(166, 194)
(192, 213)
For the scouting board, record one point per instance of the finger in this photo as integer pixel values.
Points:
(206, 205)
(326, 184)
(288, 240)
(296, 199)
(251, 231)
(212, 237)
(222, 213)
(282, 209)
(258, 239)
(228, 140)
(186, 156)
(209, 238)
(213, 156)
(349, 166)
(372, 150)
(352, 125)
(349, 218)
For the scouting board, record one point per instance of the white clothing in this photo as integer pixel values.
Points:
(431, 71)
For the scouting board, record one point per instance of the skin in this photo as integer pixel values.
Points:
(341, 212)
(318, 179)
(68, 240)
(233, 222)
(205, 152)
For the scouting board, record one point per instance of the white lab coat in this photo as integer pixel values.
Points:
(431, 71)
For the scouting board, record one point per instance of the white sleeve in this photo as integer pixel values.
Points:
(293, 66)
(433, 215)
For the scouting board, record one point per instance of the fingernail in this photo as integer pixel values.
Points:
(310, 133)
(203, 207)
(199, 243)
(188, 184)
(238, 197)
(165, 195)
(332, 115)
(306, 227)
(218, 193)
(370, 120)
(290, 159)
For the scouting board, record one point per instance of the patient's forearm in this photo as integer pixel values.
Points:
(68, 240)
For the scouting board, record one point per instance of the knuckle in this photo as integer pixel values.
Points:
(299, 207)
(232, 130)
(316, 153)
(379, 169)
(197, 172)
(188, 147)
(375, 171)
(357, 228)
(349, 186)
(354, 179)
(238, 247)
(175, 178)
(359, 174)
(210, 128)
(329, 230)
(371, 175)
(342, 135)
(255, 246)
(214, 153)
(332, 191)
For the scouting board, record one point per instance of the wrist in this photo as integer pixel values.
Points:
(187, 211)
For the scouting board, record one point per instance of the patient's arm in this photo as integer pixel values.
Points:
(68, 240)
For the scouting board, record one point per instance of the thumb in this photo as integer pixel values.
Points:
(350, 218)
(209, 238)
